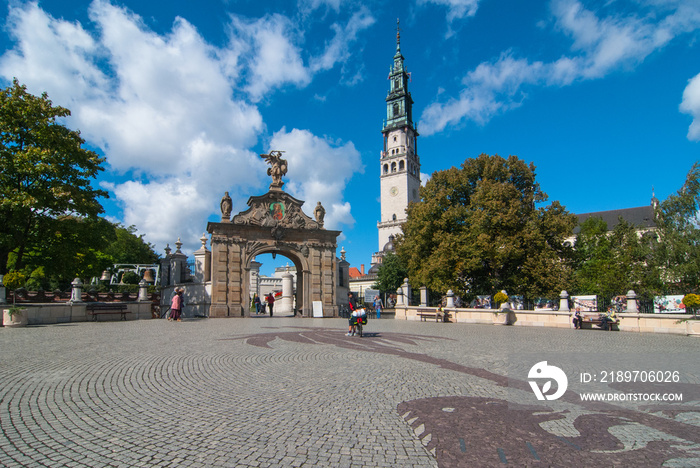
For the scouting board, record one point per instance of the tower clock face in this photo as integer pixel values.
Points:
(394, 191)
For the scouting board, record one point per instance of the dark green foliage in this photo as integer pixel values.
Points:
(44, 173)
(610, 263)
(129, 277)
(678, 250)
(129, 247)
(391, 273)
(477, 230)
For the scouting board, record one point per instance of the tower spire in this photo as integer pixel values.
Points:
(398, 36)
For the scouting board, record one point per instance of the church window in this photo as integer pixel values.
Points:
(386, 168)
(396, 109)
(401, 165)
(393, 217)
(393, 167)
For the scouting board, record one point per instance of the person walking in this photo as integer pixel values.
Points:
(270, 302)
(256, 303)
(378, 306)
(176, 306)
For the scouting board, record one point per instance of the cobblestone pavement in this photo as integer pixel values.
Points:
(284, 392)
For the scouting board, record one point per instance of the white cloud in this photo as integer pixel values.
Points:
(456, 9)
(274, 59)
(319, 170)
(600, 46)
(177, 112)
(338, 49)
(691, 105)
(310, 5)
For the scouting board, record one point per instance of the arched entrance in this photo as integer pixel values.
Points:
(273, 222)
(262, 284)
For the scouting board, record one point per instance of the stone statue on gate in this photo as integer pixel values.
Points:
(226, 206)
(319, 214)
(278, 168)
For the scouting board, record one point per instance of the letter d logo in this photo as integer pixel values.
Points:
(542, 371)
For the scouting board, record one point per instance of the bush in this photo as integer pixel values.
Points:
(500, 298)
(691, 302)
(129, 277)
(14, 280)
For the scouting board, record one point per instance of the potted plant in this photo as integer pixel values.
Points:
(503, 315)
(691, 303)
(14, 316)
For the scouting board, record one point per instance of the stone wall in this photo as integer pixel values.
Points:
(641, 323)
(48, 314)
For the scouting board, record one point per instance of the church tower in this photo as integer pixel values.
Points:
(399, 164)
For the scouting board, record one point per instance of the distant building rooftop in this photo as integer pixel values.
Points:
(641, 217)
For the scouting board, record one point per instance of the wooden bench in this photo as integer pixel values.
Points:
(102, 308)
(426, 314)
(596, 320)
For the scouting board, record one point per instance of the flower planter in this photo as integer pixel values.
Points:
(504, 317)
(692, 327)
(18, 319)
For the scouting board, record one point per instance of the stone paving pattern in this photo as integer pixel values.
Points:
(285, 392)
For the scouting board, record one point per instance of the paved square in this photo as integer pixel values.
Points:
(297, 392)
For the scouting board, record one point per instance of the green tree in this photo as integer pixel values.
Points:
(44, 172)
(70, 247)
(477, 230)
(678, 250)
(391, 273)
(128, 247)
(610, 263)
(81, 247)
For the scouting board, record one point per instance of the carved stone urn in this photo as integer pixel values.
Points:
(14, 317)
(504, 316)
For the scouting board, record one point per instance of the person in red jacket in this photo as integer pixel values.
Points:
(270, 302)
(176, 306)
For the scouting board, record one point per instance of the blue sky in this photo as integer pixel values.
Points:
(181, 97)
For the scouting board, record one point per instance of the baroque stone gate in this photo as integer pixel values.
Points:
(273, 223)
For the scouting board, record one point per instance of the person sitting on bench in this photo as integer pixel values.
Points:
(607, 320)
(577, 318)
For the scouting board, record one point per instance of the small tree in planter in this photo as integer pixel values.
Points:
(14, 280)
(692, 302)
(500, 298)
(504, 315)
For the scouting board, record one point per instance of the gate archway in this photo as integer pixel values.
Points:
(297, 297)
(273, 223)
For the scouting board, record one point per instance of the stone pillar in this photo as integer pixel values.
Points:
(178, 265)
(424, 296)
(165, 268)
(202, 262)
(76, 294)
(286, 303)
(564, 302)
(3, 297)
(406, 292)
(143, 291)
(450, 299)
(632, 302)
(399, 297)
(255, 277)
